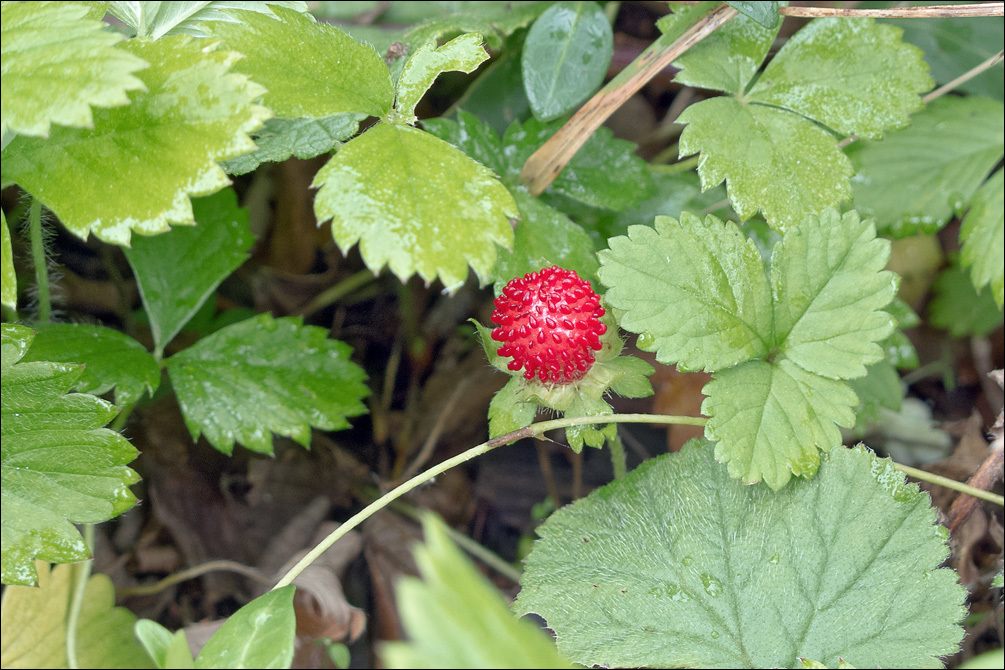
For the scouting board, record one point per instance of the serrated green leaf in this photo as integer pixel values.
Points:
(565, 57)
(765, 13)
(728, 58)
(35, 622)
(59, 466)
(508, 412)
(899, 349)
(8, 288)
(50, 80)
(917, 178)
(456, 619)
(675, 565)
(879, 389)
(493, 20)
(958, 308)
(259, 635)
(771, 159)
(281, 139)
(416, 204)
(544, 237)
(983, 238)
(475, 138)
(845, 90)
(264, 376)
(462, 54)
(111, 359)
(310, 69)
(172, 291)
(150, 156)
(157, 19)
(695, 290)
(630, 376)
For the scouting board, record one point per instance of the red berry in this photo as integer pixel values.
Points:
(549, 323)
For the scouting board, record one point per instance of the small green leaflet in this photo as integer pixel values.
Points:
(8, 294)
(416, 204)
(304, 138)
(157, 19)
(780, 346)
(83, 66)
(983, 238)
(462, 54)
(309, 69)
(493, 20)
(259, 635)
(263, 376)
(456, 619)
(508, 411)
(34, 624)
(916, 179)
(765, 13)
(58, 465)
(960, 309)
(676, 565)
(154, 154)
(565, 57)
(111, 359)
(173, 291)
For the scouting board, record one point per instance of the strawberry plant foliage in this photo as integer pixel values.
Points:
(157, 19)
(983, 238)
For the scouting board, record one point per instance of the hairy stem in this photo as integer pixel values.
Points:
(38, 258)
(618, 456)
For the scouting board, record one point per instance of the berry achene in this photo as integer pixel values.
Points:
(549, 323)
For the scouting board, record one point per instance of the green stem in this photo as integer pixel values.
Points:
(81, 575)
(485, 447)
(332, 295)
(38, 258)
(618, 455)
(120, 421)
(950, 484)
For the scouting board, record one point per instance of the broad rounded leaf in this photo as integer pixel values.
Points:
(157, 19)
(264, 376)
(8, 293)
(461, 54)
(415, 203)
(676, 565)
(771, 159)
(983, 238)
(853, 75)
(111, 359)
(259, 635)
(57, 64)
(58, 465)
(136, 168)
(565, 57)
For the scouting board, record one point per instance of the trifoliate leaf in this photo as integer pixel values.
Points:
(917, 178)
(259, 635)
(157, 19)
(462, 54)
(960, 309)
(565, 57)
(771, 159)
(59, 466)
(983, 238)
(455, 619)
(83, 66)
(675, 565)
(508, 412)
(35, 623)
(264, 376)
(173, 291)
(415, 203)
(153, 154)
(765, 13)
(304, 138)
(847, 92)
(310, 69)
(8, 294)
(111, 359)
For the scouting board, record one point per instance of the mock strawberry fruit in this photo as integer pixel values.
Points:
(549, 323)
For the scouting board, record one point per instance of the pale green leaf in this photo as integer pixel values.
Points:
(455, 619)
(178, 270)
(264, 376)
(259, 635)
(58, 465)
(135, 170)
(310, 69)
(462, 54)
(675, 565)
(281, 139)
(111, 359)
(771, 159)
(765, 13)
(565, 57)
(8, 294)
(507, 411)
(959, 308)
(728, 58)
(983, 238)
(695, 290)
(34, 624)
(157, 19)
(416, 204)
(58, 63)
(853, 75)
(155, 638)
(917, 178)
(829, 290)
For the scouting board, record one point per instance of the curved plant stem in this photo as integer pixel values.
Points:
(332, 295)
(38, 258)
(81, 575)
(485, 447)
(948, 483)
(192, 573)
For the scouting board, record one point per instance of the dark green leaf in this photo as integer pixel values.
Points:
(303, 138)
(879, 389)
(983, 238)
(958, 308)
